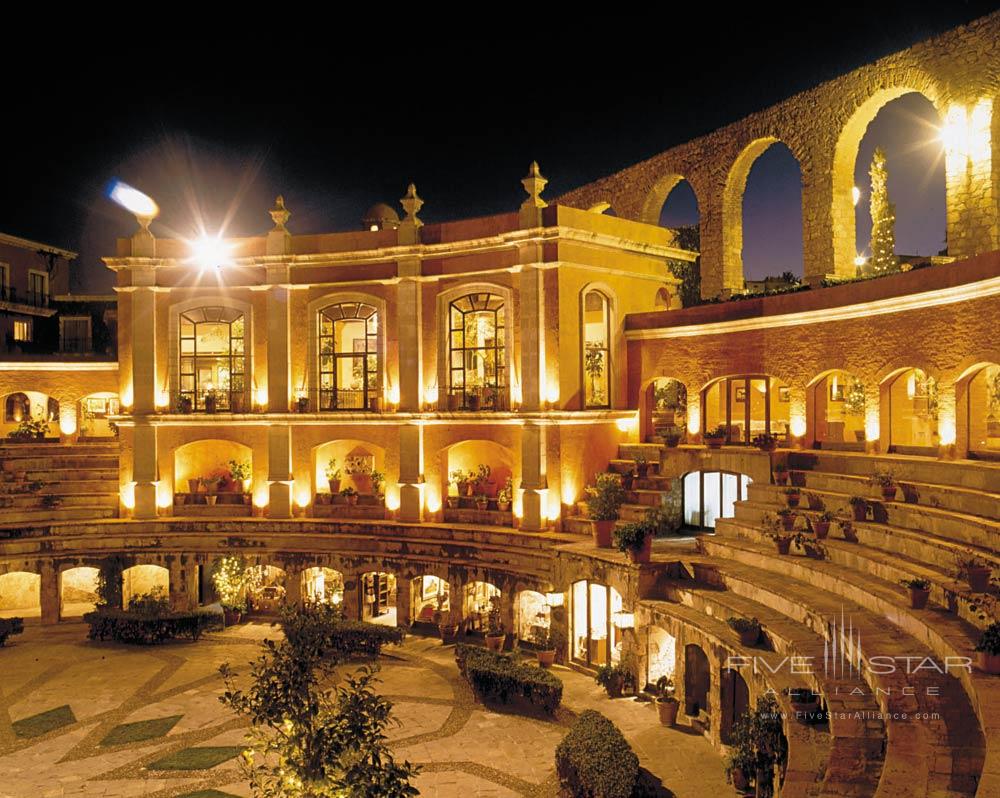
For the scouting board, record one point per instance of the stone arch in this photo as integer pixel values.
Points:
(377, 596)
(845, 155)
(20, 594)
(430, 593)
(661, 397)
(467, 455)
(77, 590)
(734, 700)
(27, 404)
(977, 417)
(531, 614)
(208, 458)
(908, 409)
(144, 578)
(835, 411)
(657, 195)
(697, 680)
(322, 584)
(615, 344)
(602, 207)
(92, 414)
(348, 453)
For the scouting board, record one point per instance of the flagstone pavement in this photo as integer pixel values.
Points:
(62, 696)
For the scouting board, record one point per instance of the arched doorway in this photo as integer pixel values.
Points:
(697, 680)
(205, 468)
(265, 588)
(476, 600)
(596, 639)
(378, 598)
(913, 411)
(735, 698)
(429, 595)
(323, 585)
(143, 580)
(661, 654)
(23, 406)
(982, 408)
(746, 406)
(837, 411)
(95, 411)
(710, 495)
(20, 595)
(77, 591)
(664, 409)
(532, 615)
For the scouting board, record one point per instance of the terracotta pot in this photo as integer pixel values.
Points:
(910, 493)
(210, 404)
(454, 401)
(671, 441)
(352, 500)
(889, 493)
(749, 637)
(642, 556)
(860, 513)
(452, 502)
(375, 404)
(988, 663)
(714, 443)
(179, 499)
(780, 477)
(474, 401)
(602, 533)
(211, 499)
(793, 499)
(850, 534)
(979, 579)
(448, 632)
(788, 522)
(615, 686)
(334, 486)
(667, 708)
(546, 658)
(918, 598)
(231, 617)
(362, 483)
(642, 470)
(495, 642)
(784, 545)
(482, 505)
(503, 506)
(822, 529)
(194, 485)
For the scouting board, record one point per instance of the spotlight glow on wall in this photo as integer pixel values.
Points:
(797, 426)
(67, 420)
(261, 397)
(855, 195)
(555, 599)
(392, 497)
(210, 252)
(162, 400)
(694, 419)
(125, 399)
(872, 426)
(127, 493)
(552, 392)
(431, 395)
(627, 424)
(302, 498)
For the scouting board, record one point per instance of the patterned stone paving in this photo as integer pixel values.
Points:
(102, 720)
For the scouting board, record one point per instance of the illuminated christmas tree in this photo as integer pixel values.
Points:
(883, 243)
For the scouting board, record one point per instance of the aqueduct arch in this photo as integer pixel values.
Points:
(823, 127)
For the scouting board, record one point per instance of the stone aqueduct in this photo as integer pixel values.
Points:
(958, 72)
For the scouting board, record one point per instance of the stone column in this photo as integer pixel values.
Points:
(279, 470)
(278, 355)
(352, 597)
(972, 178)
(456, 592)
(534, 480)
(530, 316)
(67, 410)
(404, 601)
(713, 281)
(143, 341)
(183, 582)
(145, 470)
(411, 444)
(947, 421)
(559, 621)
(48, 594)
(408, 303)
(293, 586)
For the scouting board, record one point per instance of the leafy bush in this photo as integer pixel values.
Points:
(29, 429)
(323, 625)
(989, 641)
(357, 638)
(10, 626)
(632, 536)
(741, 625)
(606, 497)
(138, 629)
(594, 759)
(500, 677)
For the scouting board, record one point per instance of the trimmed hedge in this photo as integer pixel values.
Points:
(595, 761)
(358, 638)
(137, 629)
(501, 677)
(10, 626)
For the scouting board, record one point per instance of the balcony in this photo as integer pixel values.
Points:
(35, 303)
(492, 398)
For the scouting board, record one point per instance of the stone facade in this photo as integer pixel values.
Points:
(959, 72)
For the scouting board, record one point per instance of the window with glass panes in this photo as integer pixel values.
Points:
(478, 362)
(213, 357)
(348, 356)
(596, 350)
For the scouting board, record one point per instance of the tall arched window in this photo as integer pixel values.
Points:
(213, 358)
(348, 356)
(478, 357)
(596, 336)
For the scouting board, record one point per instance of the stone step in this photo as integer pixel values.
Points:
(970, 474)
(60, 475)
(60, 487)
(23, 449)
(809, 746)
(945, 497)
(645, 497)
(34, 500)
(36, 462)
(9, 518)
(821, 591)
(857, 746)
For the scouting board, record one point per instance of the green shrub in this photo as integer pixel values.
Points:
(10, 626)
(606, 497)
(142, 629)
(595, 761)
(500, 677)
(322, 627)
(357, 638)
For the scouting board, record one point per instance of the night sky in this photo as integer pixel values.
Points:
(213, 121)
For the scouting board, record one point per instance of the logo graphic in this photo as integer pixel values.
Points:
(842, 649)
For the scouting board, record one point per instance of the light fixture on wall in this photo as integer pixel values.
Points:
(210, 252)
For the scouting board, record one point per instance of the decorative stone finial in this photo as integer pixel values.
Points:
(279, 213)
(534, 184)
(412, 204)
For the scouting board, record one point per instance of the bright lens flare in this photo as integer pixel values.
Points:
(210, 252)
(133, 200)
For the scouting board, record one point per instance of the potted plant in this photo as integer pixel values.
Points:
(480, 480)
(232, 612)
(977, 573)
(787, 517)
(847, 529)
(814, 501)
(604, 500)
(911, 494)
(375, 403)
(747, 628)
(359, 469)
(988, 649)
(780, 474)
(333, 476)
(884, 481)
(549, 641)
(505, 495)
(920, 591)
(350, 495)
(859, 506)
(714, 438)
(495, 634)
(821, 525)
(301, 402)
(782, 542)
(453, 502)
(461, 481)
(641, 467)
(482, 503)
(378, 484)
(194, 485)
(184, 404)
(792, 495)
(666, 704)
(766, 442)
(211, 400)
(670, 433)
(612, 679)
(239, 475)
(636, 540)
(447, 628)
(211, 486)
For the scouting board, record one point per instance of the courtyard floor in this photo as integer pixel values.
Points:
(97, 719)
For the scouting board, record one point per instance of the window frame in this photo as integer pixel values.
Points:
(87, 339)
(195, 393)
(29, 326)
(607, 349)
(372, 349)
(500, 385)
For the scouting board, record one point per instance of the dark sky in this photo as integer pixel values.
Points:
(213, 121)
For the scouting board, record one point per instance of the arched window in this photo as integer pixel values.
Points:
(348, 356)
(213, 358)
(596, 350)
(478, 357)
(17, 408)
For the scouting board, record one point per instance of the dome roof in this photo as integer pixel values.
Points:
(380, 215)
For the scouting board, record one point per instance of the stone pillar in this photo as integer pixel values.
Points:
(820, 258)
(404, 601)
(456, 593)
(278, 355)
(411, 444)
(947, 421)
(48, 594)
(507, 599)
(183, 582)
(279, 469)
(972, 179)
(352, 597)
(712, 280)
(534, 480)
(293, 585)
(877, 418)
(531, 315)
(143, 341)
(408, 304)
(145, 470)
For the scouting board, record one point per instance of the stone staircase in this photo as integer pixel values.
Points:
(44, 482)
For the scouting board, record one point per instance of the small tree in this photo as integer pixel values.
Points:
(689, 238)
(883, 212)
(759, 746)
(229, 575)
(109, 582)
